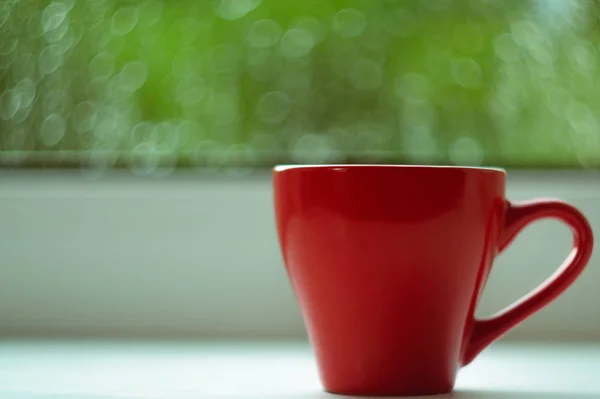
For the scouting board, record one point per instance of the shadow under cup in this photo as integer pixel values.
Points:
(388, 262)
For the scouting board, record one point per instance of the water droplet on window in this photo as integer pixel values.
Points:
(8, 45)
(22, 114)
(10, 102)
(133, 75)
(99, 161)
(467, 73)
(145, 158)
(69, 40)
(349, 22)
(111, 44)
(581, 118)
(150, 12)
(365, 75)
(165, 134)
(53, 16)
(50, 59)
(296, 43)
(69, 4)
(57, 34)
(5, 11)
(274, 107)
(53, 82)
(264, 33)
(55, 101)
(101, 66)
(235, 9)
(124, 20)
(98, 89)
(109, 123)
(53, 130)
(83, 118)
(26, 90)
(585, 56)
(312, 25)
(142, 132)
(525, 33)
(544, 52)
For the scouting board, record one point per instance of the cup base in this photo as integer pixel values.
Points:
(433, 391)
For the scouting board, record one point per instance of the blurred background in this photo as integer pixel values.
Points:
(205, 96)
(154, 85)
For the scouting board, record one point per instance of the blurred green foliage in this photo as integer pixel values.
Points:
(227, 83)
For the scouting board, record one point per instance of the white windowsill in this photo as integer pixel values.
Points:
(197, 256)
(144, 370)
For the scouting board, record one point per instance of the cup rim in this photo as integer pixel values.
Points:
(283, 167)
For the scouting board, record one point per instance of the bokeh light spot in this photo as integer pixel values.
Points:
(50, 59)
(506, 48)
(467, 73)
(316, 28)
(264, 33)
(235, 9)
(83, 117)
(5, 11)
(10, 102)
(53, 16)
(296, 43)
(274, 107)
(124, 20)
(53, 130)
(133, 75)
(102, 65)
(349, 22)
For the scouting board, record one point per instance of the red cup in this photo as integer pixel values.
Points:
(388, 262)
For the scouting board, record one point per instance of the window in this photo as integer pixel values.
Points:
(155, 85)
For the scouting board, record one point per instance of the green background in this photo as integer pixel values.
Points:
(152, 85)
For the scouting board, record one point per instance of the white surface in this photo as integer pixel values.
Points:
(197, 256)
(83, 370)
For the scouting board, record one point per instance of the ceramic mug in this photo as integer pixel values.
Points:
(388, 263)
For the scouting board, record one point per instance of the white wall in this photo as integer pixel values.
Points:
(197, 256)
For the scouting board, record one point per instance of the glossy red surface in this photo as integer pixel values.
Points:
(388, 262)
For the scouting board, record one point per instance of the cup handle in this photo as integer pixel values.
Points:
(519, 215)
